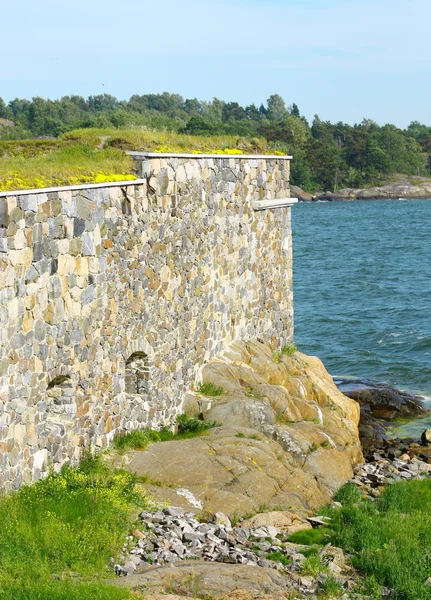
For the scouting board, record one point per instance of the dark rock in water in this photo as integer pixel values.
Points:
(426, 437)
(381, 400)
(372, 432)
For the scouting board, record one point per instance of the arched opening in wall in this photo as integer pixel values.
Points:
(61, 399)
(137, 374)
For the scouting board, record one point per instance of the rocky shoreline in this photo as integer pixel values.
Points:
(401, 188)
(195, 544)
(170, 538)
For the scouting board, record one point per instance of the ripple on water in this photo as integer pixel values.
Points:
(362, 288)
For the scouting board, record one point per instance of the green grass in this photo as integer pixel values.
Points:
(66, 165)
(210, 389)
(331, 588)
(388, 538)
(98, 155)
(67, 527)
(64, 590)
(309, 537)
(289, 350)
(278, 557)
(163, 141)
(313, 565)
(187, 426)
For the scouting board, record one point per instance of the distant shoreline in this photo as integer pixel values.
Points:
(402, 187)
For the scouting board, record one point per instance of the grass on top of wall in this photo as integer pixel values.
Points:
(164, 141)
(68, 165)
(57, 536)
(98, 155)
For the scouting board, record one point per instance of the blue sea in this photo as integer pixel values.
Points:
(362, 288)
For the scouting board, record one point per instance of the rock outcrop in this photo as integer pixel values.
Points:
(380, 404)
(401, 187)
(382, 400)
(302, 195)
(288, 438)
(256, 563)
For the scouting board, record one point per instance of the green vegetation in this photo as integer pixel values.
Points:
(313, 566)
(388, 537)
(309, 537)
(187, 427)
(278, 557)
(57, 536)
(98, 155)
(331, 588)
(68, 165)
(165, 141)
(327, 155)
(210, 389)
(289, 350)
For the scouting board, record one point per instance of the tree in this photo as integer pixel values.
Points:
(197, 125)
(294, 110)
(3, 109)
(276, 108)
(102, 102)
(232, 111)
(253, 113)
(213, 111)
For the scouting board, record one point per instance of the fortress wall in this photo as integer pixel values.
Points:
(112, 296)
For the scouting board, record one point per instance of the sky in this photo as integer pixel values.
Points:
(344, 60)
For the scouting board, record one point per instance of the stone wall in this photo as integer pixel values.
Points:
(112, 297)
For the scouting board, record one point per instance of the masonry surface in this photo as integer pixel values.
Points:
(112, 297)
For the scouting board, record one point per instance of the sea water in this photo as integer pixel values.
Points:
(362, 288)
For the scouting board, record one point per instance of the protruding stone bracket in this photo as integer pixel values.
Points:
(271, 204)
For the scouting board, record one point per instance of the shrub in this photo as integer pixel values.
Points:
(210, 389)
(332, 588)
(194, 425)
(289, 350)
(313, 565)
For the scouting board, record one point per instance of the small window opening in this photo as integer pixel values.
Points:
(126, 205)
(137, 374)
(4, 217)
(61, 397)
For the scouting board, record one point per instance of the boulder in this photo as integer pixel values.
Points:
(426, 437)
(297, 192)
(381, 400)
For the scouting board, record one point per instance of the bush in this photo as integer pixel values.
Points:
(210, 389)
(289, 350)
